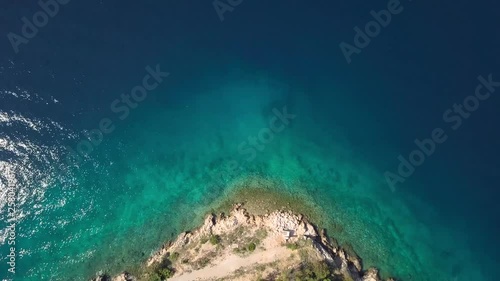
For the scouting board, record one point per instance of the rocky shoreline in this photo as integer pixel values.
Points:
(279, 245)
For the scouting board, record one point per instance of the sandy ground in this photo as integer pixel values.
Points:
(232, 262)
(271, 250)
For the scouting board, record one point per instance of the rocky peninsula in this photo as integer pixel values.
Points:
(277, 245)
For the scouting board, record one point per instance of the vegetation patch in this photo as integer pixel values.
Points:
(173, 257)
(161, 274)
(248, 245)
(309, 271)
(292, 246)
(201, 263)
(214, 239)
(251, 247)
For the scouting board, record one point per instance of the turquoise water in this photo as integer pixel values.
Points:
(156, 176)
(188, 143)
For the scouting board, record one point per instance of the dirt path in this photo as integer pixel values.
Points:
(233, 262)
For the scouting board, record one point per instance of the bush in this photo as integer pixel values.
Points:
(214, 239)
(165, 273)
(154, 277)
(321, 270)
(251, 247)
(317, 271)
(292, 246)
(173, 256)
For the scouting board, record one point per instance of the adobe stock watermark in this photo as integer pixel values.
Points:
(257, 143)
(122, 107)
(223, 6)
(11, 230)
(453, 116)
(30, 28)
(372, 29)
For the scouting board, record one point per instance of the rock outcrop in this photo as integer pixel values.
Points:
(285, 224)
(241, 242)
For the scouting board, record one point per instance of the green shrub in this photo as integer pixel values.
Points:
(251, 247)
(173, 256)
(292, 246)
(214, 239)
(154, 277)
(317, 271)
(320, 270)
(165, 273)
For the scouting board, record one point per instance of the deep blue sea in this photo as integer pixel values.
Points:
(122, 122)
